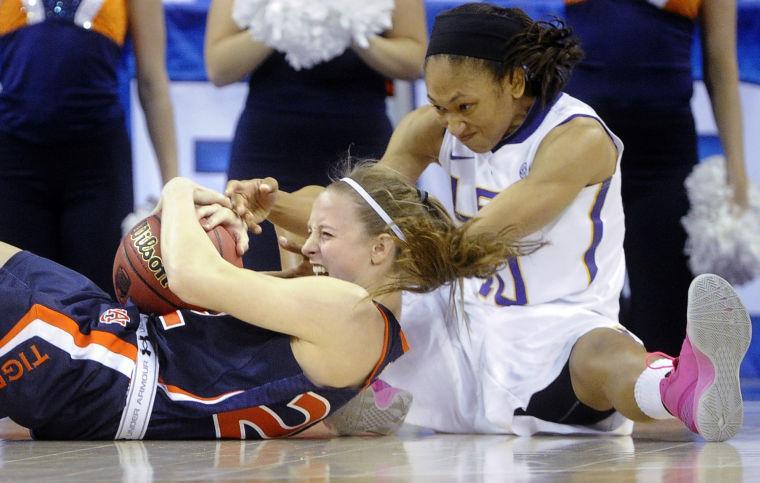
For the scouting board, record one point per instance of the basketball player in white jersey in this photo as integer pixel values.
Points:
(537, 347)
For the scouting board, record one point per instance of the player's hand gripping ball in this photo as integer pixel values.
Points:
(138, 270)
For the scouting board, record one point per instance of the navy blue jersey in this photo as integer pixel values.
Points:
(59, 63)
(335, 109)
(76, 365)
(637, 54)
(67, 352)
(345, 85)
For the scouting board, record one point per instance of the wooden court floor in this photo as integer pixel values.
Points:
(655, 453)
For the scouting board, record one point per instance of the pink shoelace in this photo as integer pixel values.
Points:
(655, 356)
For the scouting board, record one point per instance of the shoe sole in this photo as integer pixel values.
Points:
(720, 330)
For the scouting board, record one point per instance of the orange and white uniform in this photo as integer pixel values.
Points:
(59, 63)
(75, 364)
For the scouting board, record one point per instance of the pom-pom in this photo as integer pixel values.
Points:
(143, 210)
(309, 32)
(721, 238)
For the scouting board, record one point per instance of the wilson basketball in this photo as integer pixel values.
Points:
(138, 270)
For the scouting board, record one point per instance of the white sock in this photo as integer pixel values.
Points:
(647, 389)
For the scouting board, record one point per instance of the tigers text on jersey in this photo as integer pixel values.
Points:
(77, 365)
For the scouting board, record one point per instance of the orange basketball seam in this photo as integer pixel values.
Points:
(142, 279)
(219, 245)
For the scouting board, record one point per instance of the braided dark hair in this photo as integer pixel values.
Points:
(547, 52)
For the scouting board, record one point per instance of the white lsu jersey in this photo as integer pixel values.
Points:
(581, 258)
(522, 323)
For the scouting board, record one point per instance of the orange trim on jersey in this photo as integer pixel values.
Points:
(172, 320)
(404, 342)
(112, 20)
(39, 312)
(12, 16)
(178, 390)
(266, 422)
(687, 8)
(386, 341)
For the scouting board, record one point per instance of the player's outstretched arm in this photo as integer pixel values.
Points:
(574, 155)
(253, 199)
(415, 143)
(256, 200)
(334, 321)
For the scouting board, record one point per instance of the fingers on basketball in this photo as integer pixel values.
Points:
(138, 270)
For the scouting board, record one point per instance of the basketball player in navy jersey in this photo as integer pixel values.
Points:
(543, 350)
(276, 355)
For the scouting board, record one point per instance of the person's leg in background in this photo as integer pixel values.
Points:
(660, 151)
(657, 267)
(29, 209)
(98, 196)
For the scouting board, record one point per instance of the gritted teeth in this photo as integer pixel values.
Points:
(319, 270)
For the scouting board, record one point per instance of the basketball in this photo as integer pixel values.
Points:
(138, 270)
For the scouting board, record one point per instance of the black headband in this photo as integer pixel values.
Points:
(478, 35)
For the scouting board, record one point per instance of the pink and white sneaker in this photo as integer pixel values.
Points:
(378, 409)
(703, 389)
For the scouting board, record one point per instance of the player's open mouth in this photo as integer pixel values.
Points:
(319, 270)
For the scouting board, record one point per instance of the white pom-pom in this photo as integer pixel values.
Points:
(721, 239)
(141, 211)
(365, 19)
(310, 32)
(243, 11)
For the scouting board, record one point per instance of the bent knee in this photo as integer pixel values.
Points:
(601, 361)
(604, 349)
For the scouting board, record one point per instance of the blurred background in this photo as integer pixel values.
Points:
(206, 115)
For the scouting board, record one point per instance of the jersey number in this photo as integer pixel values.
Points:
(267, 423)
(483, 196)
(521, 297)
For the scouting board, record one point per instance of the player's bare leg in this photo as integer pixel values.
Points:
(604, 367)
(700, 387)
